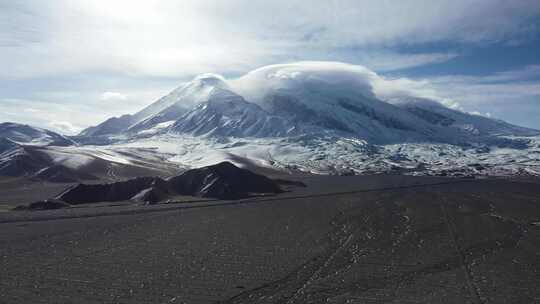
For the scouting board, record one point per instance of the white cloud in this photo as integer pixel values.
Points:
(113, 96)
(64, 127)
(493, 95)
(504, 87)
(391, 61)
(80, 109)
(31, 110)
(474, 94)
(44, 114)
(178, 38)
(66, 118)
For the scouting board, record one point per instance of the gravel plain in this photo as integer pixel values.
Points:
(358, 239)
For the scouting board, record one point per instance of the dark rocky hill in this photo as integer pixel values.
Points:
(221, 181)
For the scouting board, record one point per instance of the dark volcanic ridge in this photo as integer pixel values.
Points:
(220, 181)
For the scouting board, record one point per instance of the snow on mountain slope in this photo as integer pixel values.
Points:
(19, 161)
(24, 134)
(7, 145)
(77, 163)
(313, 98)
(436, 113)
(112, 125)
(170, 107)
(180, 101)
(27, 151)
(323, 117)
(228, 114)
(342, 155)
(336, 97)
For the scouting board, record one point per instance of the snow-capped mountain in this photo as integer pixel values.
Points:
(322, 117)
(225, 113)
(335, 99)
(24, 134)
(176, 103)
(309, 98)
(341, 97)
(168, 108)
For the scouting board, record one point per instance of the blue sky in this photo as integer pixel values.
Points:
(70, 64)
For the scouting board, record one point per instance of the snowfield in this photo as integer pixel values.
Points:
(343, 155)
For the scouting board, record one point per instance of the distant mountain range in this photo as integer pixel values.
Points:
(315, 116)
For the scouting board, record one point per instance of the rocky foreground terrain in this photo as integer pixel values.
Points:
(348, 239)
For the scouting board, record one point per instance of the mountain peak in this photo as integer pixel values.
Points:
(210, 79)
(314, 98)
